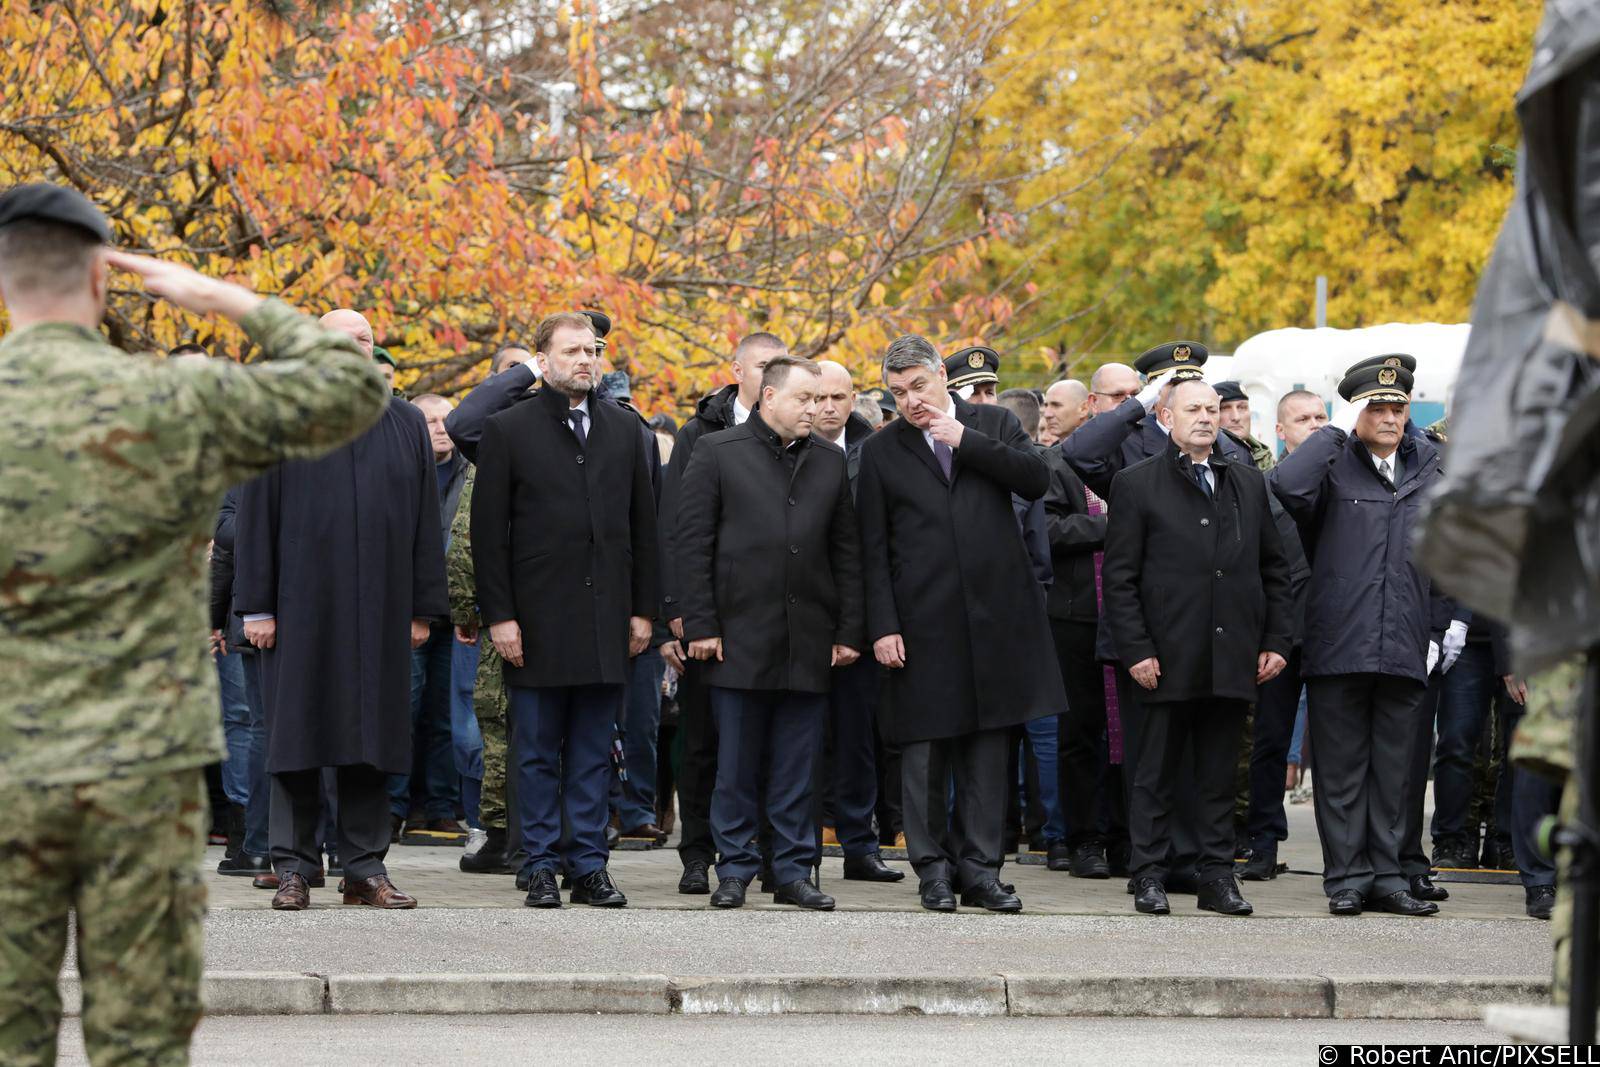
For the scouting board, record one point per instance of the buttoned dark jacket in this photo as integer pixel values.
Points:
(1075, 537)
(1369, 608)
(1115, 440)
(770, 558)
(1201, 583)
(564, 538)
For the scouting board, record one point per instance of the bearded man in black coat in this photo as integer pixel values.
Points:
(1198, 603)
(565, 557)
(956, 614)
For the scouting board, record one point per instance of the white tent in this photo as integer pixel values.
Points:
(1271, 364)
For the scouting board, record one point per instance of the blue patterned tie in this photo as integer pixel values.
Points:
(941, 452)
(576, 415)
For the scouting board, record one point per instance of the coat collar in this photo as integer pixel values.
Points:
(558, 405)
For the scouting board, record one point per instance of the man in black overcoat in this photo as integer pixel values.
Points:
(339, 574)
(771, 586)
(564, 555)
(1198, 603)
(1355, 488)
(947, 578)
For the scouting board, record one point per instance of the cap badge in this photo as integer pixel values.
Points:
(975, 360)
(1181, 353)
(1392, 361)
(1387, 376)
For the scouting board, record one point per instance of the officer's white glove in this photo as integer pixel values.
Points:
(1433, 655)
(1346, 419)
(1455, 639)
(1149, 394)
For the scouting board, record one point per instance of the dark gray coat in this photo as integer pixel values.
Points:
(770, 558)
(1199, 583)
(1075, 537)
(946, 568)
(1369, 608)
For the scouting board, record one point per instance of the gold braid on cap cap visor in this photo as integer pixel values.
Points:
(1382, 394)
(971, 379)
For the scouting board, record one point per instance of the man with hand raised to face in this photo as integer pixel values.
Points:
(564, 554)
(946, 572)
(1198, 603)
(1355, 487)
(770, 562)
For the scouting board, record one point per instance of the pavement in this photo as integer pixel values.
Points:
(1078, 950)
(583, 1040)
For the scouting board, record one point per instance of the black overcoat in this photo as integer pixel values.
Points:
(1369, 608)
(770, 557)
(564, 538)
(344, 551)
(946, 569)
(1200, 583)
(1075, 538)
(1115, 440)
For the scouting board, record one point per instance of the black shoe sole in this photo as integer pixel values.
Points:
(602, 903)
(805, 907)
(893, 876)
(1153, 911)
(1098, 874)
(1345, 914)
(1005, 910)
(726, 905)
(1219, 911)
(693, 890)
(939, 907)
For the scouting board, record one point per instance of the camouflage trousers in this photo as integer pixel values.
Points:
(124, 854)
(491, 706)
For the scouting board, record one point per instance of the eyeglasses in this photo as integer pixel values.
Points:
(1125, 394)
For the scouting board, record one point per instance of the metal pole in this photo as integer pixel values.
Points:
(1585, 879)
(1322, 301)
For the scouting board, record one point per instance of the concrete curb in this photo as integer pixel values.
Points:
(982, 995)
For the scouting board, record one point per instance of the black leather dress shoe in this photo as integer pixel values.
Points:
(1403, 903)
(729, 894)
(542, 891)
(1262, 866)
(803, 894)
(598, 891)
(1222, 896)
(244, 865)
(991, 896)
(695, 880)
(1345, 902)
(870, 868)
(938, 896)
(1456, 855)
(1149, 897)
(1422, 888)
(487, 858)
(1089, 861)
(1541, 901)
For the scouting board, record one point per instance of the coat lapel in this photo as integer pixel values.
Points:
(912, 440)
(966, 415)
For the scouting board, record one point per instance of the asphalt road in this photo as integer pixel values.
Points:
(399, 1041)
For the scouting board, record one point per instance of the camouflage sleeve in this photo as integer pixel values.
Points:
(313, 393)
(458, 561)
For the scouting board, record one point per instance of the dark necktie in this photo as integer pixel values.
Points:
(941, 452)
(1205, 484)
(576, 415)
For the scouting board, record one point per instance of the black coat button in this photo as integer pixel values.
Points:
(580, 457)
(793, 502)
(1203, 522)
(590, 581)
(793, 598)
(1219, 631)
(1219, 574)
(794, 550)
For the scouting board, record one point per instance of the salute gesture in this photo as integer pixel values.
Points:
(188, 289)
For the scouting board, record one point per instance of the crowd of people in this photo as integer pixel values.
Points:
(913, 612)
(772, 629)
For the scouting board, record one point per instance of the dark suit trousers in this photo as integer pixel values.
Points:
(851, 774)
(1363, 731)
(697, 772)
(561, 755)
(295, 828)
(1206, 734)
(1532, 798)
(1083, 770)
(1183, 833)
(1414, 860)
(1276, 707)
(769, 742)
(962, 848)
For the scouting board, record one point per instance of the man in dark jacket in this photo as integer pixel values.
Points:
(849, 771)
(946, 571)
(238, 666)
(1073, 604)
(770, 562)
(1197, 600)
(728, 407)
(1368, 648)
(565, 559)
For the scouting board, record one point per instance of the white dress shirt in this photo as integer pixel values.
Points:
(1394, 466)
(740, 412)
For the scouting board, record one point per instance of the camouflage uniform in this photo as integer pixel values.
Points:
(489, 689)
(111, 475)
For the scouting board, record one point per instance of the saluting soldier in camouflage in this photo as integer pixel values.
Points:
(488, 690)
(111, 473)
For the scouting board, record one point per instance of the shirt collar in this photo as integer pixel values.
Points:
(837, 442)
(740, 412)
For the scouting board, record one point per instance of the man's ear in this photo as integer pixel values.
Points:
(99, 274)
(1164, 416)
(542, 363)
